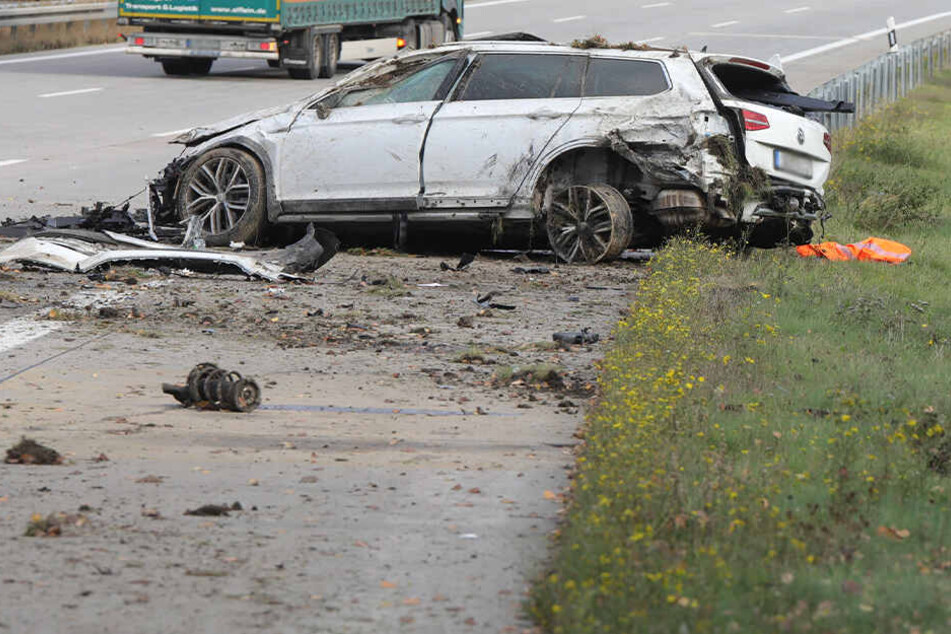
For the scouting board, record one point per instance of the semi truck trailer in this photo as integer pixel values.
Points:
(306, 37)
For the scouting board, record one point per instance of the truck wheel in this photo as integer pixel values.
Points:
(314, 64)
(200, 65)
(589, 222)
(176, 67)
(331, 55)
(225, 187)
(449, 26)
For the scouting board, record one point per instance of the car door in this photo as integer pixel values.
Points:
(359, 149)
(485, 139)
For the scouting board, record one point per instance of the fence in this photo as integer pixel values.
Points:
(885, 79)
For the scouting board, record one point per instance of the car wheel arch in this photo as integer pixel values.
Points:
(258, 153)
(597, 159)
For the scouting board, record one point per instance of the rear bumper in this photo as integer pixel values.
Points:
(150, 51)
(165, 45)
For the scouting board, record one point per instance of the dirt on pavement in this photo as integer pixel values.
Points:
(402, 474)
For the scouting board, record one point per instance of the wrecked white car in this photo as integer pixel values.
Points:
(599, 149)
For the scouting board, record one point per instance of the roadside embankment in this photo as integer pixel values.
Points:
(770, 452)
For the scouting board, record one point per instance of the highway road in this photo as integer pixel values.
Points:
(92, 124)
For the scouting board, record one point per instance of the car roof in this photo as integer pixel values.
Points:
(649, 52)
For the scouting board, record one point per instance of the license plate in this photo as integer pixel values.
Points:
(204, 45)
(793, 163)
(168, 42)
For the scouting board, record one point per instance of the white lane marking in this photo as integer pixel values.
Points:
(656, 5)
(477, 34)
(720, 25)
(862, 36)
(652, 39)
(43, 58)
(17, 332)
(771, 36)
(491, 3)
(570, 18)
(797, 10)
(159, 135)
(4, 163)
(81, 91)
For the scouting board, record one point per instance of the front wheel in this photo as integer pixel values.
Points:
(225, 187)
(589, 222)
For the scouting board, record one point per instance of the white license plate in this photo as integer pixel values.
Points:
(793, 163)
(168, 42)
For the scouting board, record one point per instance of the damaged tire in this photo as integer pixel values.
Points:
(225, 188)
(588, 222)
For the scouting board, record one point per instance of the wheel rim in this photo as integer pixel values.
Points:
(580, 224)
(219, 192)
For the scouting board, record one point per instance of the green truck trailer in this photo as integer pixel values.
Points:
(307, 37)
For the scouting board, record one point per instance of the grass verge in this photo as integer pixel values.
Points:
(770, 451)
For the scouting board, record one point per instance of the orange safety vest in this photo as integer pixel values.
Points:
(870, 250)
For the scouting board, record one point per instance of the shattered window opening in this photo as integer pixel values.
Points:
(524, 76)
(420, 86)
(624, 77)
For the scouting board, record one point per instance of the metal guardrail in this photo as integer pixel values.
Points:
(26, 14)
(885, 79)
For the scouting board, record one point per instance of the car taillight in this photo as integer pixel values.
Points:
(139, 41)
(400, 43)
(827, 141)
(755, 121)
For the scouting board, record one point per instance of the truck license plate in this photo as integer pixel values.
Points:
(793, 163)
(168, 42)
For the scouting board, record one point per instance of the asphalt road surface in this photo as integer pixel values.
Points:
(92, 124)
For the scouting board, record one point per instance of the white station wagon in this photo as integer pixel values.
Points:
(599, 149)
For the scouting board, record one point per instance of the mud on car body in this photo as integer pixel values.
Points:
(602, 148)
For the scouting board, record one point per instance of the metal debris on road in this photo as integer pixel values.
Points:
(577, 337)
(210, 387)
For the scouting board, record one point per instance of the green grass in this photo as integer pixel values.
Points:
(769, 453)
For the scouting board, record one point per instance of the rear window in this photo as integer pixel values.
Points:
(620, 77)
(742, 80)
(522, 76)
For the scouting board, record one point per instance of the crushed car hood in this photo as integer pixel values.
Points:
(205, 132)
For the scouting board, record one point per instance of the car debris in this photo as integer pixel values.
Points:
(577, 337)
(210, 387)
(485, 301)
(82, 251)
(214, 510)
(532, 270)
(101, 216)
(28, 451)
(464, 261)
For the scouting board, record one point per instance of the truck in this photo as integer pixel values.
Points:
(306, 37)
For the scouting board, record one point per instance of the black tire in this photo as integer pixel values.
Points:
(331, 43)
(200, 65)
(274, 63)
(227, 187)
(451, 33)
(589, 222)
(176, 67)
(314, 64)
